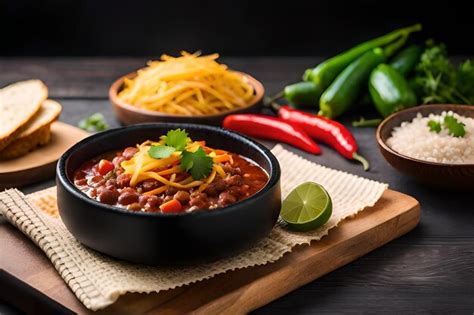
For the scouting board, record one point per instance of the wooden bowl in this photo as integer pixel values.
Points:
(128, 114)
(440, 175)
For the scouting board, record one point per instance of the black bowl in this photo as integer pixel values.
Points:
(154, 238)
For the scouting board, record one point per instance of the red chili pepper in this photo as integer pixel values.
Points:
(326, 130)
(273, 128)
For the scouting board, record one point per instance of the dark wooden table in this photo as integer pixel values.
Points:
(431, 269)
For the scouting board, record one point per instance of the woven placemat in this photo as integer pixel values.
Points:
(98, 281)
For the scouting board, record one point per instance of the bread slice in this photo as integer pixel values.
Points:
(37, 132)
(19, 102)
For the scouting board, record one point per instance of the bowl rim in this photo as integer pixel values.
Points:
(61, 176)
(386, 147)
(117, 101)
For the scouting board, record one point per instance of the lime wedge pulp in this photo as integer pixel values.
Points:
(307, 207)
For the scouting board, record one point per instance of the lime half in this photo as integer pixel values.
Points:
(307, 207)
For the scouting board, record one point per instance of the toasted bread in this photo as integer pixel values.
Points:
(19, 102)
(36, 133)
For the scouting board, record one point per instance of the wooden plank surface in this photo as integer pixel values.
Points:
(72, 77)
(238, 291)
(429, 270)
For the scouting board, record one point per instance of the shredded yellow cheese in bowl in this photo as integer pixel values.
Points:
(189, 85)
(142, 166)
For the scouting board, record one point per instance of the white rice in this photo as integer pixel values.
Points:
(414, 139)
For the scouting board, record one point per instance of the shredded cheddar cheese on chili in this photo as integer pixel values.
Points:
(167, 170)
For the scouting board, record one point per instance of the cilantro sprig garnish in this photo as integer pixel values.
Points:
(177, 138)
(197, 163)
(455, 128)
(435, 126)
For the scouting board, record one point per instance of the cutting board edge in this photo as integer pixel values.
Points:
(230, 302)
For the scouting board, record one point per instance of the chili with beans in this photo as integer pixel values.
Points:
(104, 179)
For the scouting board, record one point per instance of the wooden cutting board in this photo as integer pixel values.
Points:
(234, 292)
(40, 164)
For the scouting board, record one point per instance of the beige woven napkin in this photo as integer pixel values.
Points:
(98, 280)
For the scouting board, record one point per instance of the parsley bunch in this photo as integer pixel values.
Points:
(437, 80)
(197, 163)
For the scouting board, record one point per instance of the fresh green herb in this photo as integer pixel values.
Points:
(438, 81)
(455, 128)
(465, 80)
(197, 163)
(94, 123)
(160, 151)
(177, 138)
(434, 126)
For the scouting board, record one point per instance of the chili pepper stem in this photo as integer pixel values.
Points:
(270, 103)
(362, 122)
(276, 96)
(362, 160)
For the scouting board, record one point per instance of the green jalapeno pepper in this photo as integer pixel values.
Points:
(347, 86)
(390, 91)
(303, 94)
(325, 73)
(405, 61)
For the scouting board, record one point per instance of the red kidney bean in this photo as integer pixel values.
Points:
(153, 201)
(211, 190)
(117, 160)
(149, 200)
(149, 184)
(81, 182)
(110, 182)
(199, 200)
(182, 196)
(129, 152)
(108, 196)
(123, 180)
(96, 181)
(128, 196)
(171, 191)
(234, 180)
(226, 198)
(142, 200)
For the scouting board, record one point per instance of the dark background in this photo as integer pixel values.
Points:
(233, 28)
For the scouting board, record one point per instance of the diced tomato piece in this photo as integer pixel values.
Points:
(105, 167)
(172, 206)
